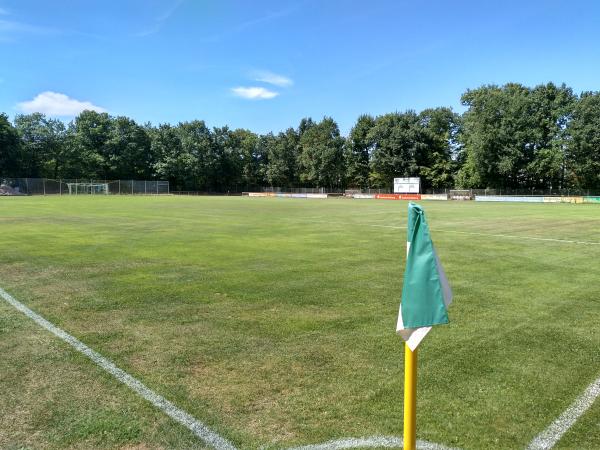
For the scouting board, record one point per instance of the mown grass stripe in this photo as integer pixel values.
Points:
(195, 426)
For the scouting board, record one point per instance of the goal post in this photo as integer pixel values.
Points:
(83, 188)
(460, 194)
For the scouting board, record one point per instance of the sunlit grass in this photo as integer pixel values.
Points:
(272, 320)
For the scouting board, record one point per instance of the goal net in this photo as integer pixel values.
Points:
(87, 188)
(461, 194)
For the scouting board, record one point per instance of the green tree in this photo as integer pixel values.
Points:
(399, 147)
(514, 137)
(436, 164)
(226, 166)
(253, 154)
(583, 151)
(550, 112)
(197, 152)
(10, 149)
(321, 159)
(42, 144)
(90, 134)
(494, 130)
(282, 156)
(357, 152)
(172, 162)
(128, 150)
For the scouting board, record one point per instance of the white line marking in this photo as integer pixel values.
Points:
(372, 441)
(551, 435)
(194, 425)
(564, 241)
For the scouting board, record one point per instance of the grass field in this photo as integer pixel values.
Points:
(273, 321)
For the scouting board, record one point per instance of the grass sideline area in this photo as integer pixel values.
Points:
(273, 321)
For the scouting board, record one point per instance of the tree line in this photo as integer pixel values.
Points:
(509, 137)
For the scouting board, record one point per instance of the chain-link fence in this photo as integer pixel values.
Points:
(520, 192)
(47, 186)
(302, 190)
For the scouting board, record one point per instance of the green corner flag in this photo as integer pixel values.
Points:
(426, 293)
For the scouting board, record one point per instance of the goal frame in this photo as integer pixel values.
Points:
(89, 188)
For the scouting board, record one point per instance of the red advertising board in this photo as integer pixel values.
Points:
(398, 196)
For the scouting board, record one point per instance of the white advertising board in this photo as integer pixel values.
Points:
(410, 185)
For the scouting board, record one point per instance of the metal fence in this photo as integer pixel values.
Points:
(47, 186)
(520, 192)
(205, 193)
(367, 191)
(302, 190)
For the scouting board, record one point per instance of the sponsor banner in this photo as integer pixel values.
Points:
(258, 194)
(591, 199)
(508, 198)
(434, 196)
(387, 196)
(298, 195)
(316, 195)
(552, 199)
(363, 196)
(575, 199)
(410, 196)
(398, 196)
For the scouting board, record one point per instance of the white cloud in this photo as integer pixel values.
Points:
(160, 20)
(273, 78)
(254, 93)
(11, 26)
(56, 104)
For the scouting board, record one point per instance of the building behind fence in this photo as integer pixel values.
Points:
(47, 186)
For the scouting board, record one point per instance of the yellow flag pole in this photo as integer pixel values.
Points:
(410, 398)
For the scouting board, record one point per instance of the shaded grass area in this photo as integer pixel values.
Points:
(273, 320)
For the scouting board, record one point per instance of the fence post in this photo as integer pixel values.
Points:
(44, 185)
(119, 187)
(131, 187)
(60, 186)
(145, 188)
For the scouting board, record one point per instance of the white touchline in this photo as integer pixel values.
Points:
(510, 236)
(372, 441)
(566, 241)
(551, 435)
(195, 426)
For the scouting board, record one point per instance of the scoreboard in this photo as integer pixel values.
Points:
(407, 185)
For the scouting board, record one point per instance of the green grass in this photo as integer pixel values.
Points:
(272, 320)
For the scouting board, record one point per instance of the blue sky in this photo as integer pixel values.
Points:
(264, 65)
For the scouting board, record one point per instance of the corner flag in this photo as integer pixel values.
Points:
(425, 297)
(426, 293)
